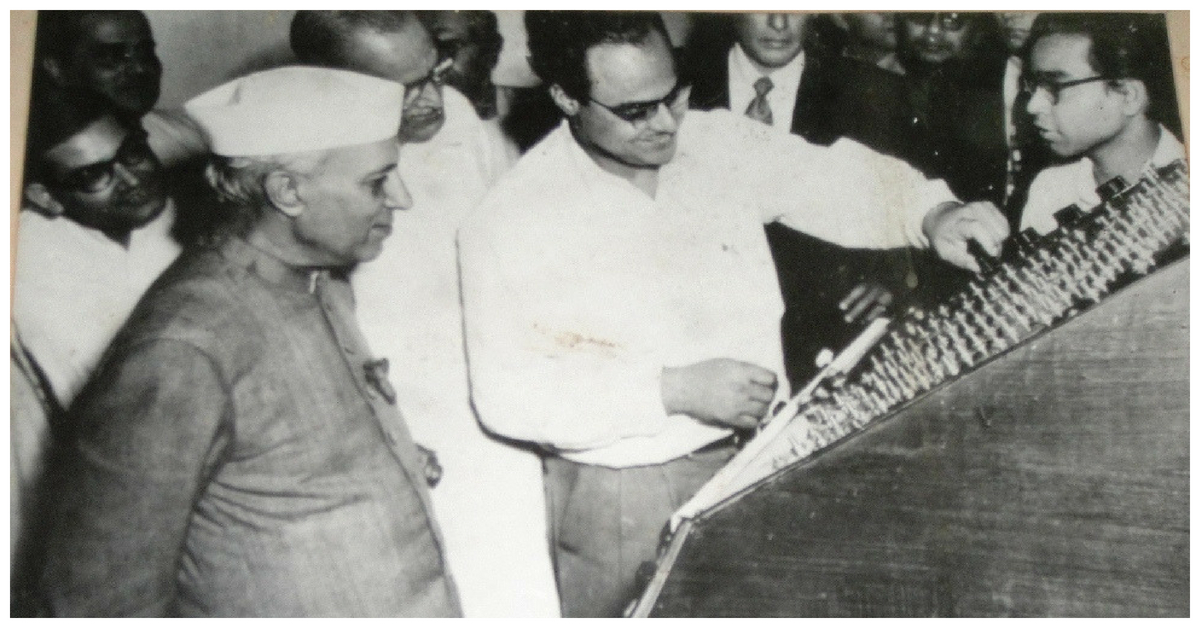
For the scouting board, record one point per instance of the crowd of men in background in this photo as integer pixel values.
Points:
(371, 335)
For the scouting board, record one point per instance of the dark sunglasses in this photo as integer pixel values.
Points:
(640, 112)
(134, 152)
(1031, 84)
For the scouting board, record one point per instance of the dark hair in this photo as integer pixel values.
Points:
(1127, 46)
(482, 27)
(559, 41)
(55, 115)
(317, 37)
(59, 31)
(984, 52)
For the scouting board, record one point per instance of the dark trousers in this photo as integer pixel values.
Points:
(605, 523)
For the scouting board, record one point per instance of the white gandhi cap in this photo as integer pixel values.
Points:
(297, 109)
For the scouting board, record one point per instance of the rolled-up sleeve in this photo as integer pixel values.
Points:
(151, 428)
(844, 193)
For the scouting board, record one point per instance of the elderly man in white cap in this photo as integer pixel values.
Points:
(239, 453)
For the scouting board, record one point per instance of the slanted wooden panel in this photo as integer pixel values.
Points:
(1051, 482)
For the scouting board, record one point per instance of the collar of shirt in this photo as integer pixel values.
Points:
(605, 191)
(1012, 76)
(1168, 150)
(782, 97)
(270, 268)
(152, 234)
(1074, 183)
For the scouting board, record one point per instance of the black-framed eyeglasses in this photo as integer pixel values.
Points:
(134, 152)
(641, 112)
(1031, 84)
(435, 76)
(947, 21)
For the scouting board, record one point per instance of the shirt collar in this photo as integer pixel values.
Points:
(785, 79)
(269, 268)
(1166, 151)
(593, 178)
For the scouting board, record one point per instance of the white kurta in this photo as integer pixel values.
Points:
(1075, 183)
(490, 502)
(75, 287)
(578, 288)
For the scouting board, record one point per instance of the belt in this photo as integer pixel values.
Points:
(733, 441)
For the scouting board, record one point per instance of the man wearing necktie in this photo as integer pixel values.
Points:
(768, 76)
(766, 65)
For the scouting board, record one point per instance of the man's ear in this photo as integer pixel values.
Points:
(1134, 98)
(568, 105)
(39, 199)
(280, 187)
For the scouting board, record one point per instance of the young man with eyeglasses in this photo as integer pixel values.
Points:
(489, 499)
(94, 233)
(621, 305)
(1100, 93)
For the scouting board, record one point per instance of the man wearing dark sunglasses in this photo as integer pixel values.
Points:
(112, 54)
(93, 235)
(1098, 88)
(620, 303)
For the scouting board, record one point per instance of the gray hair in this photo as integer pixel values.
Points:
(240, 184)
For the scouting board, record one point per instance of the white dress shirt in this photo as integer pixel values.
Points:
(75, 287)
(490, 502)
(1075, 183)
(782, 97)
(1012, 87)
(578, 288)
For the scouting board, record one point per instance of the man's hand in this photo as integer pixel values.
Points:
(951, 226)
(721, 391)
(865, 303)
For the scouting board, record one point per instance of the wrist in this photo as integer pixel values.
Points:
(933, 218)
(672, 397)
